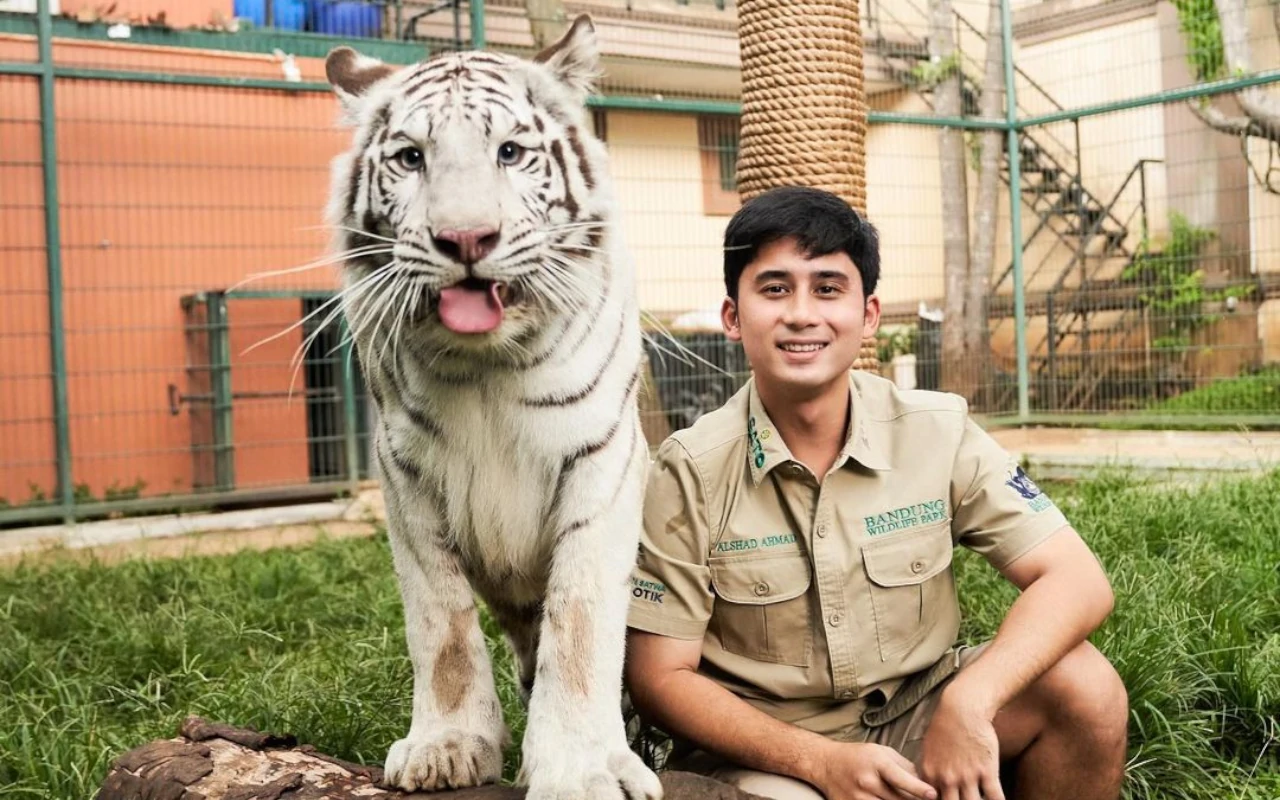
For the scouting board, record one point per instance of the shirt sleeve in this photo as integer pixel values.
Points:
(671, 585)
(998, 511)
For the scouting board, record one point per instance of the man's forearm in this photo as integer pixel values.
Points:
(703, 712)
(1050, 618)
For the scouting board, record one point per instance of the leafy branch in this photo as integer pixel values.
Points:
(1174, 292)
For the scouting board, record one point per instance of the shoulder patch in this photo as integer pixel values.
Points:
(1020, 482)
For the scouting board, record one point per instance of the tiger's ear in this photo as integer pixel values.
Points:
(575, 59)
(351, 74)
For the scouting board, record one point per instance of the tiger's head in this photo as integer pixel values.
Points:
(471, 208)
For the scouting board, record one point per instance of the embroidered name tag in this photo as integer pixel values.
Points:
(739, 545)
(911, 516)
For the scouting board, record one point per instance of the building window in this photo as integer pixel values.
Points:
(718, 148)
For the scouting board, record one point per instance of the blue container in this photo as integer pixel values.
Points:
(289, 15)
(347, 18)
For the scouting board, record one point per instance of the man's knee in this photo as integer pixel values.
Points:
(766, 784)
(1084, 693)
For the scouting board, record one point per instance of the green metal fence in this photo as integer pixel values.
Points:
(1135, 280)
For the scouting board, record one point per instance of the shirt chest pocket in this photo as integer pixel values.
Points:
(762, 608)
(912, 587)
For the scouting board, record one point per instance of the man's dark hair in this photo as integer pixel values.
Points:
(819, 222)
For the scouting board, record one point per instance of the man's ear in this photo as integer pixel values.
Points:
(729, 319)
(575, 59)
(871, 317)
(352, 75)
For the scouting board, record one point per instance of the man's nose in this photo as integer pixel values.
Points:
(801, 311)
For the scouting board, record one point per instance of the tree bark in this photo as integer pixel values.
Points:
(955, 199)
(1262, 106)
(986, 203)
(210, 761)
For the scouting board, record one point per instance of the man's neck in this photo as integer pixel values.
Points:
(813, 426)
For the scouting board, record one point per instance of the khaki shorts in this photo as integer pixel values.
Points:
(901, 724)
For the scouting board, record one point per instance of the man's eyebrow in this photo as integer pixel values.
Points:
(773, 275)
(832, 274)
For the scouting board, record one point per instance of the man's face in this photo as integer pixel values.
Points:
(801, 321)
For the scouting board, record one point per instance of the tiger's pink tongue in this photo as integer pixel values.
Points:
(468, 309)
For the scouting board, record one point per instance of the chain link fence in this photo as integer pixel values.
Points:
(149, 165)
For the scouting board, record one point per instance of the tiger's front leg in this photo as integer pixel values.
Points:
(575, 745)
(457, 734)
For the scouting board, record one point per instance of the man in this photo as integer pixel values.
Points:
(794, 613)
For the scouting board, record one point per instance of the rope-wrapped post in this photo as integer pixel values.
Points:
(804, 104)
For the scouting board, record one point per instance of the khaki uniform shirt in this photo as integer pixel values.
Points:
(826, 589)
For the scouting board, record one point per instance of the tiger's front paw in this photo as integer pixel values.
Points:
(574, 774)
(446, 759)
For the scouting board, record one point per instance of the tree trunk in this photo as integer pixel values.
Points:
(210, 761)
(956, 376)
(1259, 103)
(986, 205)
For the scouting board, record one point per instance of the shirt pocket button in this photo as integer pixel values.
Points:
(761, 589)
(917, 566)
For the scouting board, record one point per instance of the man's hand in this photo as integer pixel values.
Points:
(961, 754)
(857, 771)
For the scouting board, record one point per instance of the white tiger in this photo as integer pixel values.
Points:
(493, 307)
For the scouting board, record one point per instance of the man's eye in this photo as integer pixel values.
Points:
(410, 158)
(509, 154)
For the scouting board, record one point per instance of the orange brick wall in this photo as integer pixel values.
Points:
(165, 191)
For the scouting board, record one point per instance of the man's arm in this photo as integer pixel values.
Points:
(664, 684)
(1065, 597)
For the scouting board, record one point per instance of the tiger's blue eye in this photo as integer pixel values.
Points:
(509, 154)
(410, 158)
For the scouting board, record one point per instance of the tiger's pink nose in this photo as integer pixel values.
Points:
(467, 246)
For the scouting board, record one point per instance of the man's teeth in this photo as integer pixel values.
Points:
(802, 348)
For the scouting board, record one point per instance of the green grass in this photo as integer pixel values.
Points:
(1257, 393)
(97, 660)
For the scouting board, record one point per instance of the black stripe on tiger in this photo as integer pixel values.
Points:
(592, 448)
(578, 150)
(405, 258)
(579, 524)
(416, 415)
(520, 251)
(569, 202)
(382, 119)
(606, 276)
(541, 357)
(406, 465)
(382, 461)
(559, 400)
(419, 418)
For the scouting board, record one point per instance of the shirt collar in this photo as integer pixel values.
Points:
(865, 442)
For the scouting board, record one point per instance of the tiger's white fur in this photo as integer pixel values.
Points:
(512, 461)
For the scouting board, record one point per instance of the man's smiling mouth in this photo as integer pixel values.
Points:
(796, 347)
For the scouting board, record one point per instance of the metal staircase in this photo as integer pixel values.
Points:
(1082, 242)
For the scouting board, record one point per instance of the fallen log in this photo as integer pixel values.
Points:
(214, 761)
